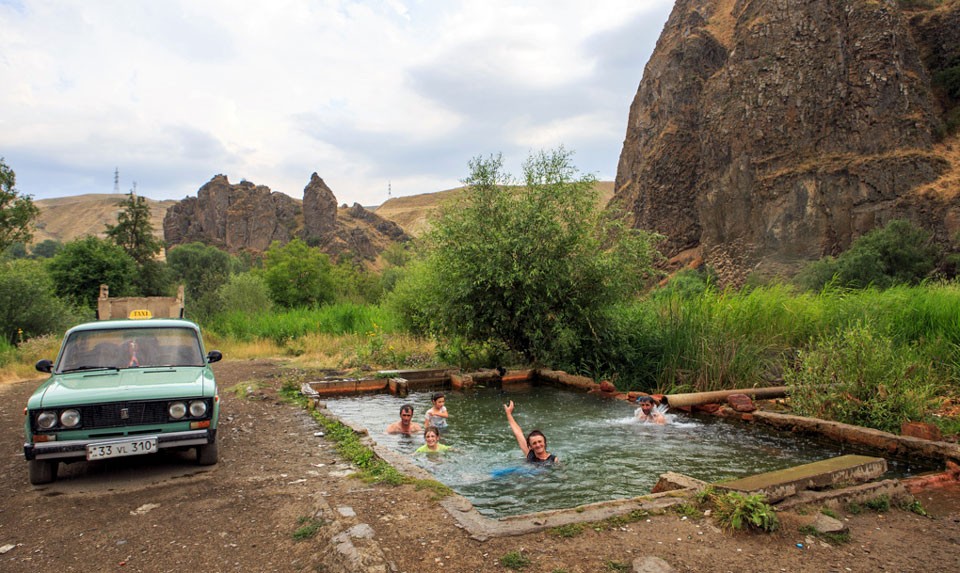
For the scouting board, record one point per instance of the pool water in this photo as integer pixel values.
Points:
(605, 452)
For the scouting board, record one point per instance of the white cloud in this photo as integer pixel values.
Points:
(362, 92)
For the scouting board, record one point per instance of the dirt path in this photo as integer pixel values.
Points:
(164, 513)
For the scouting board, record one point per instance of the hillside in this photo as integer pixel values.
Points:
(413, 212)
(67, 218)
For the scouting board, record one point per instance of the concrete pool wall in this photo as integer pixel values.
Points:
(673, 489)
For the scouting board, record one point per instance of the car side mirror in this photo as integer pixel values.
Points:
(214, 356)
(44, 365)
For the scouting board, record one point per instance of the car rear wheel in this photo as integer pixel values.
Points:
(208, 455)
(43, 471)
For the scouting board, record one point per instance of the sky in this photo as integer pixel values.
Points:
(380, 98)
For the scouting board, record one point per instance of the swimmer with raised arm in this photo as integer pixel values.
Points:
(534, 445)
(437, 415)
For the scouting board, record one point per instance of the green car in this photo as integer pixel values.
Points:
(123, 388)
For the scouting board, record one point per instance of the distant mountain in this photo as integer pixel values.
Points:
(67, 218)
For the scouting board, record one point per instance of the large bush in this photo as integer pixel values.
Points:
(531, 267)
(28, 306)
(899, 253)
(298, 275)
(83, 265)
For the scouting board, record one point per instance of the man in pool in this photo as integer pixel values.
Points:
(405, 425)
(647, 413)
(534, 446)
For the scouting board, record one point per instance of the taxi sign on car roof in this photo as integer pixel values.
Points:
(140, 313)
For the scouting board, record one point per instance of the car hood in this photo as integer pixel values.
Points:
(123, 385)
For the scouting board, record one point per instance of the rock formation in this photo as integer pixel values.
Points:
(247, 217)
(767, 133)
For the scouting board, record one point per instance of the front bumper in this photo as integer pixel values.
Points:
(78, 448)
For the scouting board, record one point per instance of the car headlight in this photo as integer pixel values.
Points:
(70, 418)
(177, 410)
(47, 420)
(198, 408)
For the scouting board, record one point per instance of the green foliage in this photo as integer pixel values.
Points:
(860, 377)
(567, 531)
(84, 264)
(245, 293)
(914, 506)
(880, 504)
(533, 267)
(949, 80)
(17, 212)
(687, 510)
(354, 283)
(899, 253)
(515, 560)
(133, 231)
(284, 325)
(46, 249)
(833, 538)
(616, 566)
(687, 284)
(28, 306)
(202, 269)
(307, 528)
(14, 252)
(737, 511)
(298, 275)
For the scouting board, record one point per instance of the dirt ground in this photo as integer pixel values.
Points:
(165, 513)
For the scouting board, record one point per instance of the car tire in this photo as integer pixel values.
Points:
(43, 471)
(208, 455)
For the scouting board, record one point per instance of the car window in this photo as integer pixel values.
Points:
(130, 348)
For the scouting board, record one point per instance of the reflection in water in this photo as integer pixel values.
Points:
(605, 452)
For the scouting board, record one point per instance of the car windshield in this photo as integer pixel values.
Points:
(130, 348)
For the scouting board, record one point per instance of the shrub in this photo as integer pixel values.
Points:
(28, 306)
(737, 511)
(246, 293)
(859, 377)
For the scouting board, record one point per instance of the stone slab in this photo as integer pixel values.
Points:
(778, 485)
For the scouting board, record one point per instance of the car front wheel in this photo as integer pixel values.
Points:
(43, 471)
(208, 455)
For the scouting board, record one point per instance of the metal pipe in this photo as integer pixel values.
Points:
(697, 398)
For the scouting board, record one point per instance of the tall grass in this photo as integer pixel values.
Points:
(286, 325)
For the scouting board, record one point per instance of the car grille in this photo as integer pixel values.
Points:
(119, 414)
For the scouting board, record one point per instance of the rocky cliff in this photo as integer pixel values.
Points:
(246, 217)
(767, 133)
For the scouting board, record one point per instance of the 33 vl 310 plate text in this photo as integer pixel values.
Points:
(121, 448)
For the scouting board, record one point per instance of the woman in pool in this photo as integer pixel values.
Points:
(432, 446)
(534, 446)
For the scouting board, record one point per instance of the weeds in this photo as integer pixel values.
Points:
(569, 530)
(737, 511)
(515, 560)
(880, 504)
(687, 510)
(616, 566)
(832, 538)
(308, 527)
(914, 506)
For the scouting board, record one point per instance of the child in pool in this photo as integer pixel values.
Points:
(432, 446)
(437, 415)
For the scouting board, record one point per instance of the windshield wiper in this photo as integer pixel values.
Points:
(79, 368)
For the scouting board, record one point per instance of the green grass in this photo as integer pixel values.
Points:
(515, 560)
(307, 528)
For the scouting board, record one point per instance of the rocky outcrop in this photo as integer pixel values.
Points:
(769, 133)
(247, 217)
(232, 217)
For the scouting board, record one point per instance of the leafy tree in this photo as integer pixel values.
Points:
(15, 251)
(134, 233)
(133, 230)
(28, 305)
(201, 268)
(17, 212)
(298, 275)
(245, 292)
(899, 253)
(46, 249)
(530, 267)
(83, 265)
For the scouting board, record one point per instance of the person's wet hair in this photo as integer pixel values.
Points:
(406, 408)
(431, 430)
(644, 400)
(436, 396)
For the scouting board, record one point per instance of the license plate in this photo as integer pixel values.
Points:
(121, 448)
